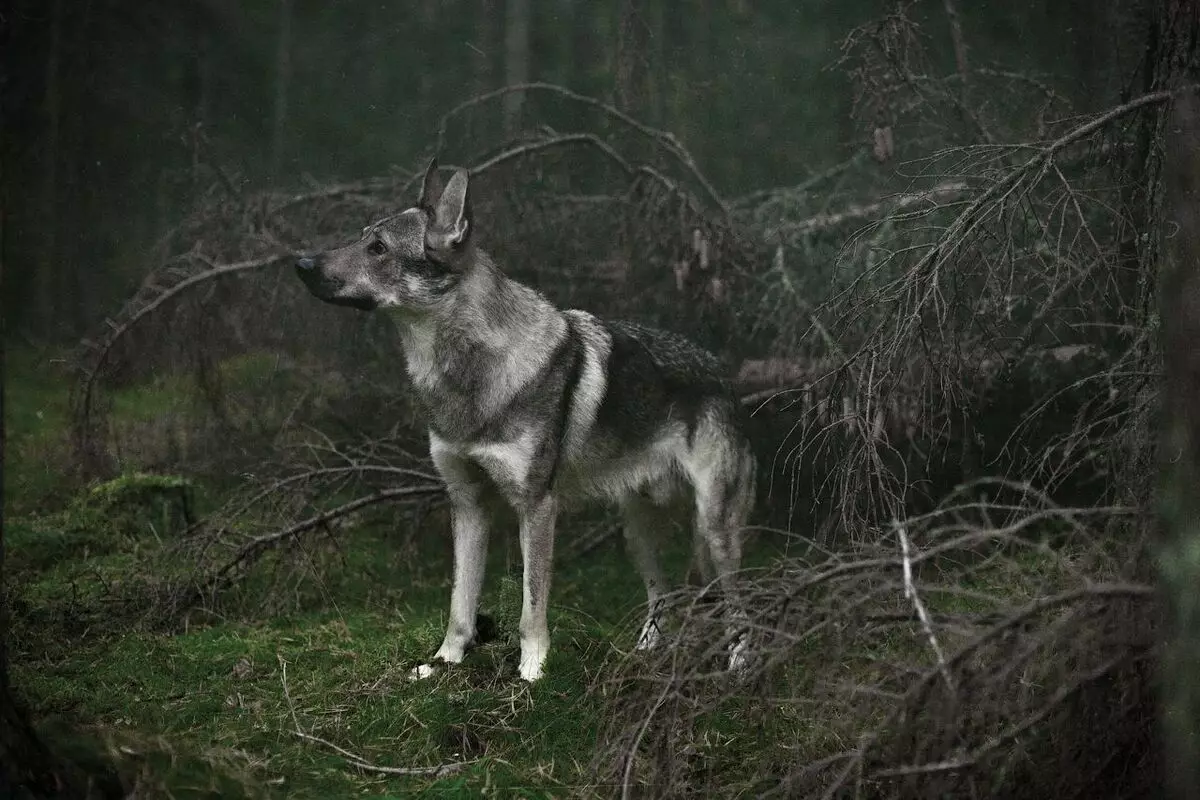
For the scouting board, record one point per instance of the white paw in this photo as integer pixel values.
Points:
(421, 672)
(533, 656)
(649, 637)
(450, 652)
(739, 655)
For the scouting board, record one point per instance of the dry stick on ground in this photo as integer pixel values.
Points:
(1014, 620)
(910, 592)
(440, 771)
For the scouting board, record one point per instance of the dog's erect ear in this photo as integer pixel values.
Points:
(431, 187)
(450, 228)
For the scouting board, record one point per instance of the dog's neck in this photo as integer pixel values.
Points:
(472, 355)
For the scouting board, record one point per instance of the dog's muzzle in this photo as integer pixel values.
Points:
(328, 288)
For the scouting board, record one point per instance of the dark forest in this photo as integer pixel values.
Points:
(946, 254)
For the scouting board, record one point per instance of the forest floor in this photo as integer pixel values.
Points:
(298, 684)
(209, 705)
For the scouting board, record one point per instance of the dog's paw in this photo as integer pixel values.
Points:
(530, 670)
(421, 672)
(739, 656)
(649, 637)
(533, 657)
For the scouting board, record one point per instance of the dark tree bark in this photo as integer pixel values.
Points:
(47, 270)
(283, 78)
(81, 194)
(631, 89)
(1180, 555)
(27, 768)
(585, 55)
(516, 60)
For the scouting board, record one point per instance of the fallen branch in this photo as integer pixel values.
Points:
(312, 474)
(891, 206)
(1012, 732)
(910, 592)
(256, 546)
(971, 216)
(99, 351)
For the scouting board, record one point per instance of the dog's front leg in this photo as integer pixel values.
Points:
(470, 529)
(537, 551)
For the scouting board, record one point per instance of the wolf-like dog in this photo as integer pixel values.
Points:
(536, 406)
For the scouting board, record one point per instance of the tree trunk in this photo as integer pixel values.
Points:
(74, 282)
(1180, 555)
(631, 89)
(516, 60)
(283, 78)
(46, 272)
(27, 768)
(587, 21)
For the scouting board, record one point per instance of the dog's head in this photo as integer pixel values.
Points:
(411, 261)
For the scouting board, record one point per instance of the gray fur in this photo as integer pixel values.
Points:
(538, 407)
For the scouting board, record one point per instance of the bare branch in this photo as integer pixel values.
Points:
(259, 544)
(910, 592)
(663, 138)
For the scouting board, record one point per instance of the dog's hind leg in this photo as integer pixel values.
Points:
(644, 521)
(722, 471)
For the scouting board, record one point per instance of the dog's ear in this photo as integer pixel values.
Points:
(431, 187)
(450, 228)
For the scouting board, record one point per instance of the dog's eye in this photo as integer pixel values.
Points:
(377, 248)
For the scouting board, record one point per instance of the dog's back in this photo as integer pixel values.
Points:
(663, 401)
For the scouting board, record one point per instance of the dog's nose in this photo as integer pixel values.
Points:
(304, 262)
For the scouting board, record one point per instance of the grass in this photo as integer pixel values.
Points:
(36, 410)
(198, 706)
(203, 709)
(219, 687)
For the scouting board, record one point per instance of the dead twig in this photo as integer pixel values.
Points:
(261, 543)
(664, 139)
(910, 592)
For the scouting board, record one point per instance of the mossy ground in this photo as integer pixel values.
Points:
(201, 708)
(198, 705)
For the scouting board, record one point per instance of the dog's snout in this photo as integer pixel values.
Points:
(304, 262)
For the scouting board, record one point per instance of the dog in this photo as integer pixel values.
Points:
(537, 407)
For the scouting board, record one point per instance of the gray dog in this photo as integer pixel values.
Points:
(536, 406)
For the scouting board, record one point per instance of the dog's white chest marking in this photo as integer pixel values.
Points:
(420, 354)
(506, 463)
